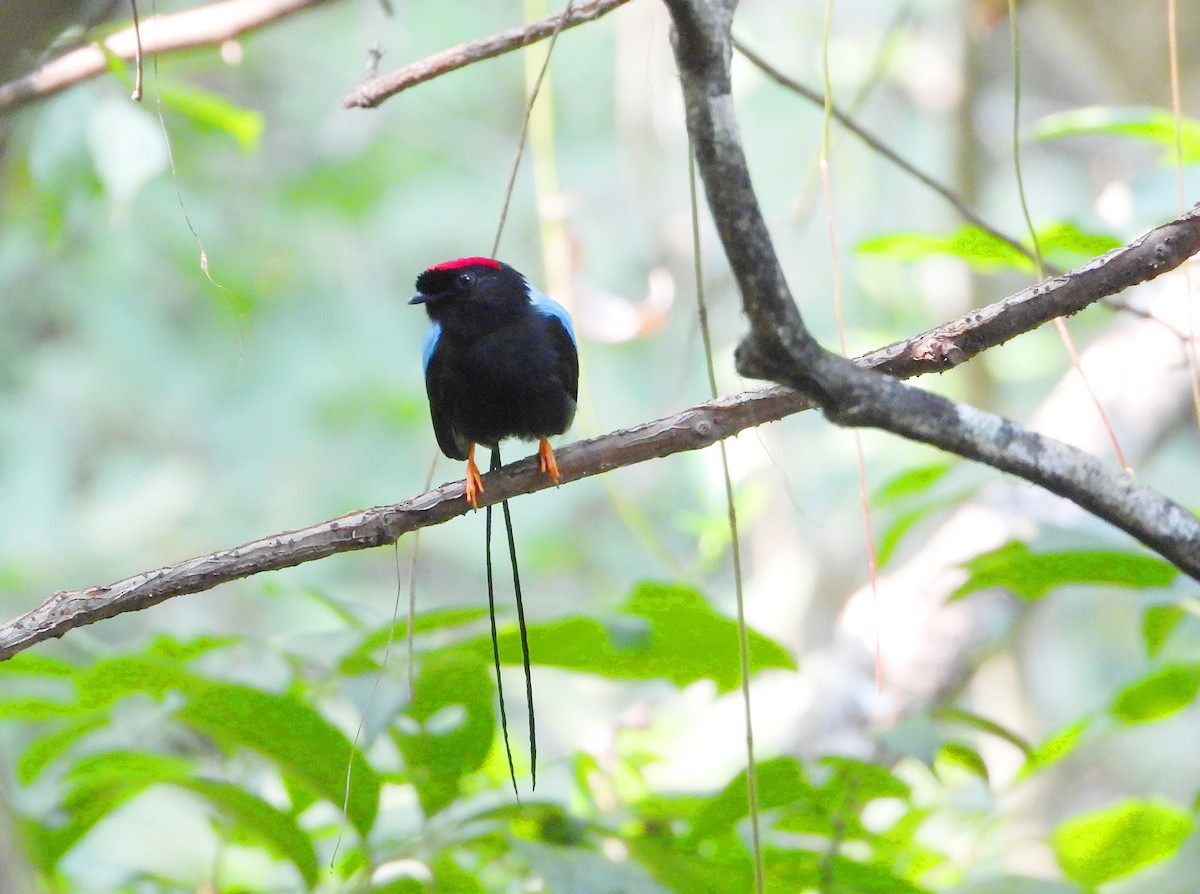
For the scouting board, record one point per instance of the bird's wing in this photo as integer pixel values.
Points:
(563, 332)
(441, 400)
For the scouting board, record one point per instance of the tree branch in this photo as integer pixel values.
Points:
(693, 429)
(204, 26)
(374, 90)
(779, 346)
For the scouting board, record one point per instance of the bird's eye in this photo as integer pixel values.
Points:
(466, 278)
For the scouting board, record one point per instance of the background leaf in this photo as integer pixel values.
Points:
(1108, 844)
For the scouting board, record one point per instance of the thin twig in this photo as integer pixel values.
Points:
(137, 54)
(881, 148)
(209, 25)
(372, 91)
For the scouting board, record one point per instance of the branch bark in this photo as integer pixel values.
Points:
(780, 347)
(374, 90)
(693, 429)
(204, 26)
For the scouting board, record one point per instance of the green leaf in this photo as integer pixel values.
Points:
(1158, 623)
(780, 781)
(111, 679)
(99, 785)
(362, 658)
(1108, 844)
(454, 719)
(909, 483)
(450, 878)
(276, 829)
(1156, 126)
(43, 751)
(1032, 575)
(860, 782)
(1057, 747)
(34, 665)
(971, 719)
(801, 870)
(978, 248)
(168, 648)
(293, 735)
(717, 871)
(675, 636)
(1158, 694)
(25, 709)
(1067, 243)
(212, 112)
(1062, 241)
(963, 756)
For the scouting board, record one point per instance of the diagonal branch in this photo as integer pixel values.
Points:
(374, 90)
(204, 26)
(779, 347)
(693, 429)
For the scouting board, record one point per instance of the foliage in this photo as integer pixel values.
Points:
(207, 342)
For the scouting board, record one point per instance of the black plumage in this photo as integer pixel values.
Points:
(500, 361)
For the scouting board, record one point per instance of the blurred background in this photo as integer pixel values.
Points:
(155, 407)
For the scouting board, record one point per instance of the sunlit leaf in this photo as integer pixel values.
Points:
(1159, 694)
(33, 665)
(1066, 242)
(1108, 844)
(213, 112)
(1158, 623)
(1057, 747)
(1150, 125)
(668, 632)
(1032, 575)
(977, 247)
(1061, 241)
(909, 483)
(963, 756)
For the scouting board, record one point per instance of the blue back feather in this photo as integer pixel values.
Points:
(432, 334)
(549, 307)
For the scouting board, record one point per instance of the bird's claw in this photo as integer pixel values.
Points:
(546, 461)
(473, 486)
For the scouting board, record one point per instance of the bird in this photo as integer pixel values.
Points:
(500, 361)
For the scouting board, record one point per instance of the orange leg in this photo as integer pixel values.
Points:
(546, 461)
(474, 483)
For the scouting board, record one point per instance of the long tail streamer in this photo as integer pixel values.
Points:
(512, 555)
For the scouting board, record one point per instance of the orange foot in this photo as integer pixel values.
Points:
(474, 482)
(546, 461)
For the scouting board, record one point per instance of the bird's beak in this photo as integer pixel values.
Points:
(419, 298)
